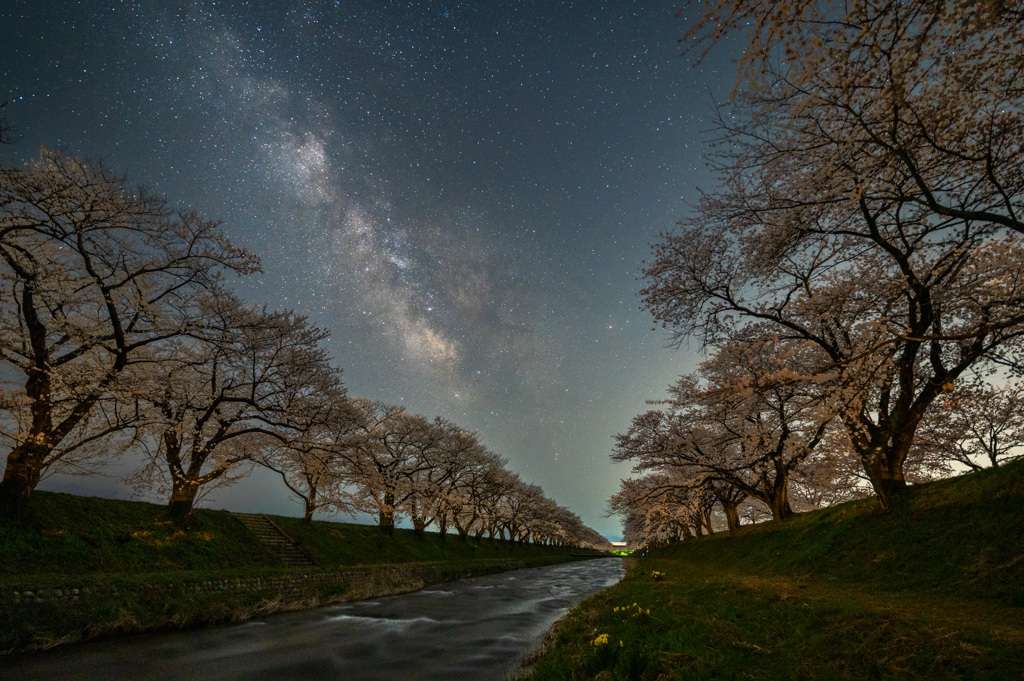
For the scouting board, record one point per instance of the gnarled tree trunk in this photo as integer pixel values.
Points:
(20, 478)
(183, 498)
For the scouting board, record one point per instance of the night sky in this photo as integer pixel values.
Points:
(462, 194)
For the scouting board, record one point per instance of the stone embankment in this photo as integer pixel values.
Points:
(354, 580)
(44, 614)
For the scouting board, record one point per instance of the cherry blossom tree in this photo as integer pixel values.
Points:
(250, 379)
(730, 498)
(472, 487)
(764, 399)
(92, 272)
(832, 475)
(456, 481)
(554, 525)
(749, 417)
(662, 508)
(313, 465)
(869, 204)
(914, 103)
(384, 459)
(979, 425)
(476, 504)
(589, 538)
(515, 509)
(446, 456)
(893, 351)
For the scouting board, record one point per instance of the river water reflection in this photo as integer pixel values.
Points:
(477, 628)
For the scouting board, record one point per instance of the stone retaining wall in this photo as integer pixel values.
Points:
(39, 615)
(284, 583)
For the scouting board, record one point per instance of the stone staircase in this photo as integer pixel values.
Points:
(271, 536)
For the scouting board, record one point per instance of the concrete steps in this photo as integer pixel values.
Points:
(271, 536)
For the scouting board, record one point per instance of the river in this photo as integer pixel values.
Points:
(475, 629)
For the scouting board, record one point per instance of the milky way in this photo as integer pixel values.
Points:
(461, 194)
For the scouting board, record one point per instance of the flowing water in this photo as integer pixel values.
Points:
(474, 629)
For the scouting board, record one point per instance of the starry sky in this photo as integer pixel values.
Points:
(461, 193)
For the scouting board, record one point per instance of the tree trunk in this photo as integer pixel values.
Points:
(775, 493)
(781, 510)
(386, 521)
(732, 515)
(16, 488)
(386, 515)
(778, 499)
(183, 497)
(310, 503)
(24, 461)
(992, 449)
(707, 522)
(882, 455)
(887, 478)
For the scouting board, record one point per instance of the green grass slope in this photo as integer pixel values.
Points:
(74, 535)
(963, 537)
(68, 534)
(933, 590)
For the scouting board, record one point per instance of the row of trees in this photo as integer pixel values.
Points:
(382, 460)
(749, 435)
(119, 335)
(857, 275)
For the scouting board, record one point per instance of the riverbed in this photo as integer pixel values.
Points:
(475, 629)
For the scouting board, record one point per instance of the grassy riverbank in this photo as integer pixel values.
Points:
(934, 590)
(82, 567)
(73, 535)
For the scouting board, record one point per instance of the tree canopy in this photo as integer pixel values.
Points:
(868, 206)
